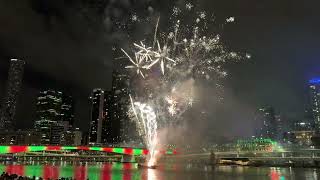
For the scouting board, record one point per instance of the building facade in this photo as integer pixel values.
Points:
(54, 116)
(314, 86)
(109, 122)
(124, 130)
(67, 111)
(266, 119)
(20, 137)
(8, 109)
(97, 116)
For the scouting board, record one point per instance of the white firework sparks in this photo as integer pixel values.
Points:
(230, 19)
(189, 6)
(147, 117)
(134, 17)
(184, 55)
(146, 58)
(137, 63)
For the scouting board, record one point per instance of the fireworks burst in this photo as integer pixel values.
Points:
(184, 55)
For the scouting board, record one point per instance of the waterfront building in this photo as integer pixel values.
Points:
(266, 119)
(255, 145)
(57, 131)
(109, 113)
(20, 137)
(8, 108)
(67, 111)
(123, 129)
(314, 86)
(54, 115)
(279, 130)
(97, 116)
(77, 139)
(302, 137)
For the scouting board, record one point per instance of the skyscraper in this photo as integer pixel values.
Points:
(8, 108)
(48, 113)
(123, 129)
(314, 86)
(110, 123)
(67, 111)
(53, 115)
(97, 115)
(267, 120)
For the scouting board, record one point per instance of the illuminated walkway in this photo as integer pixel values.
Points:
(126, 151)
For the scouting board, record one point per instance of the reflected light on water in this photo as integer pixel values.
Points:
(130, 171)
(151, 174)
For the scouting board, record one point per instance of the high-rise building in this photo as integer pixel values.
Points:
(107, 125)
(67, 111)
(19, 137)
(8, 108)
(267, 120)
(123, 129)
(48, 113)
(97, 115)
(53, 116)
(109, 113)
(56, 133)
(279, 129)
(314, 86)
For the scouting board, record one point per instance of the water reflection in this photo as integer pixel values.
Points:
(130, 171)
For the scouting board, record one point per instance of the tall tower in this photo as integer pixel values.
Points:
(67, 111)
(48, 113)
(314, 85)
(97, 115)
(54, 115)
(8, 109)
(268, 125)
(123, 128)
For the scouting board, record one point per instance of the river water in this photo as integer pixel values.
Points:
(130, 171)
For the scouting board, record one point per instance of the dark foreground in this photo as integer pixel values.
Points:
(129, 171)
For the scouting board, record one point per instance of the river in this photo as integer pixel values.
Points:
(130, 171)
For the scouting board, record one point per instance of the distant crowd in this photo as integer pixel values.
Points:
(6, 176)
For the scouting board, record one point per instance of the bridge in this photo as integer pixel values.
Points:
(300, 157)
(116, 150)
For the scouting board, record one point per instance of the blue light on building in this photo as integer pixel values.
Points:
(314, 81)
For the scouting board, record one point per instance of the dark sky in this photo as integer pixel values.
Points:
(67, 45)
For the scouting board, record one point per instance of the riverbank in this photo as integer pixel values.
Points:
(7, 176)
(269, 163)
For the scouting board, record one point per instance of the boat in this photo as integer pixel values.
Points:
(146, 166)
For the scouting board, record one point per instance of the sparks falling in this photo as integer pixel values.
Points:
(167, 69)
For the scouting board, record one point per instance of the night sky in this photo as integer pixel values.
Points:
(68, 45)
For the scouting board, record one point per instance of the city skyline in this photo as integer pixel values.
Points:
(276, 79)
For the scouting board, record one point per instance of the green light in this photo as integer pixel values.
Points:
(66, 171)
(68, 148)
(137, 151)
(96, 148)
(4, 149)
(36, 148)
(93, 172)
(118, 150)
(2, 168)
(117, 167)
(34, 171)
(169, 152)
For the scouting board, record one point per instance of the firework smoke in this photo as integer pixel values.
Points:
(168, 69)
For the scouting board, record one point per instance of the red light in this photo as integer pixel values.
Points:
(107, 149)
(83, 148)
(128, 151)
(17, 149)
(15, 169)
(145, 152)
(53, 148)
